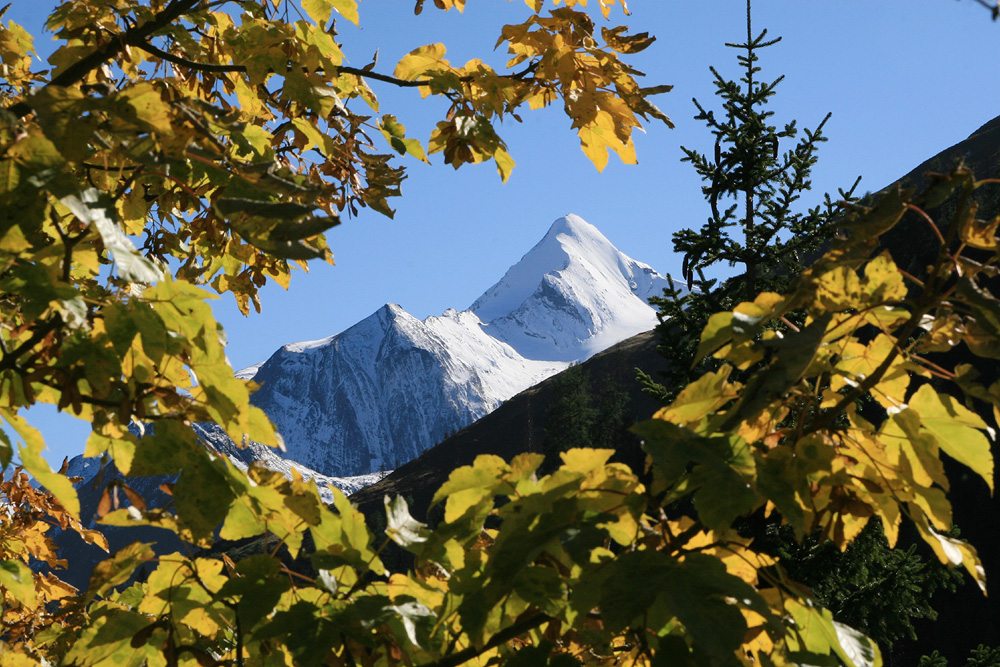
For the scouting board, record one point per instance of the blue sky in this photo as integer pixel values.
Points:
(904, 79)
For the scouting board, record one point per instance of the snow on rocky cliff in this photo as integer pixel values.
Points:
(572, 296)
(388, 388)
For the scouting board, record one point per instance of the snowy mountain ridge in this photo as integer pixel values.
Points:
(386, 389)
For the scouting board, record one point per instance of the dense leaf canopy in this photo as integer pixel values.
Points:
(184, 147)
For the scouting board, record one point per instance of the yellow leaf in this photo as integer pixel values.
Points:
(148, 106)
(594, 146)
(953, 551)
(883, 281)
(469, 485)
(980, 233)
(616, 38)
(504, 162)
(421, 60)
(702, 397)
(597, 137)
(348, 9)
(957, 429)
(32, 460)
(584, 459)
(838, 288)
(318, 10)
(10, 658)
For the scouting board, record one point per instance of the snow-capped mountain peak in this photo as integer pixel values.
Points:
(391, 386)
(571, 296)
(568, 236)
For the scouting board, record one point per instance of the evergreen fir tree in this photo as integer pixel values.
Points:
(570, 417)
(869, 586)
(752, 189)
(581, 415)
(981, 656)
(753, 186)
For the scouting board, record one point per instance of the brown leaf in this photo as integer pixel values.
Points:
(134, 498)
(104, 506)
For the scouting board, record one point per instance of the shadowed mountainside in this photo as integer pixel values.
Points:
(518, 426)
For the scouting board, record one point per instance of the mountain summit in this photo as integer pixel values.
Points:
(388, 388)
(572, 296)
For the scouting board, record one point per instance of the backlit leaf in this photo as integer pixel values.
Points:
(402, 528)
(19, 581)
(957, 429)
(420, 61)
(94, 207)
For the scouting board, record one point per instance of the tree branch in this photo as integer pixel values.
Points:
(133, 36)
(994, 9)
(183, 62)
(505, 635)
(221, 69)
(9, 360)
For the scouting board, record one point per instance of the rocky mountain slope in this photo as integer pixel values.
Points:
(388, 388)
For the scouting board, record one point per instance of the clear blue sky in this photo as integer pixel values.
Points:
(903, 78)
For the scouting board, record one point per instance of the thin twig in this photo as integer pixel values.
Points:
(930, 221)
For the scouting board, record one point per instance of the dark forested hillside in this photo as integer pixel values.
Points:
(519, 425)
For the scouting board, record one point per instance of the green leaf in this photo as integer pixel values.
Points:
(723, 494)
(721, 480)
(871, 223)
(814, 630)
(395, 133)
(118, 569)
(794, 355)
(957, 429)
(780, 480)
(720, 329)
(107, 640)
(984, 305)
(300, 229)
(6, 451)
(258, 588)
(697, 592)
(19, 581)
(542, 587)
(305, 632)
(531, 656)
